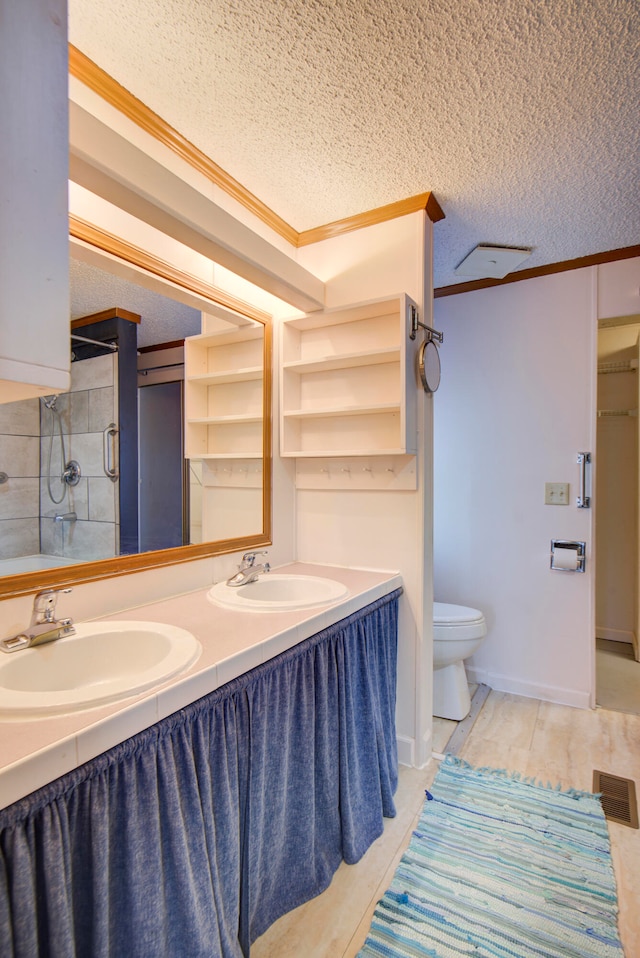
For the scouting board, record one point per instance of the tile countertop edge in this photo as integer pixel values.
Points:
(41, 764)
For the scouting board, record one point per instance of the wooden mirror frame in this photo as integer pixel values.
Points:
(65, 576)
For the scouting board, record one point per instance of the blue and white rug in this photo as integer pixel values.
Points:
(500, 867)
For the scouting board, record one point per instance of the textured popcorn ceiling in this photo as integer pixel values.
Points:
(522, 118)
(162, 320)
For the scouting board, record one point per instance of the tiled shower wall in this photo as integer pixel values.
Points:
(86, 411)
(20, 493)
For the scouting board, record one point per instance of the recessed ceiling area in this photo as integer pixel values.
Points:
(520, 117)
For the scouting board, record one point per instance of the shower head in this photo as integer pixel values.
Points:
(49, 401)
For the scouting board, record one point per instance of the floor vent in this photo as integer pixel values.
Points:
(618, 798)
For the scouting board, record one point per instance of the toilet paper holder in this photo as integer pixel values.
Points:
(568, 546)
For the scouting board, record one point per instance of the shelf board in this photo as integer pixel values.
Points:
(372, 357)
(248, 374)
(337, 316)
(226, 455)
(240, 334)
(331, 412)
(218, 420)
(342, 453)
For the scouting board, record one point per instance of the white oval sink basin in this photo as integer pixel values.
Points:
(278, 593)
(101, 663)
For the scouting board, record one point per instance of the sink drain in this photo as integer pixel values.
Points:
(617, 797)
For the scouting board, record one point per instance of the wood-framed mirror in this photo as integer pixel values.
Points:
(215, 387)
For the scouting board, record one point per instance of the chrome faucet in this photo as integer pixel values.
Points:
(44, 627)
(248, 571)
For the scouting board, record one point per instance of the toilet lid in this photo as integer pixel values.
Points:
(446, 614)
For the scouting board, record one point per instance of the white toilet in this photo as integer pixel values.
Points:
(457, 633)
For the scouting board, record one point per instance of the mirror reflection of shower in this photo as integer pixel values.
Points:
(70, 473)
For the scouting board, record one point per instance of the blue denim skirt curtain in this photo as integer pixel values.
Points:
(192, 837)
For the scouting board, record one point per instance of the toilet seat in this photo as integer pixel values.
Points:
(457, 622)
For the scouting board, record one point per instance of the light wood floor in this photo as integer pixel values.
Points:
(617, 677)
(554, 743)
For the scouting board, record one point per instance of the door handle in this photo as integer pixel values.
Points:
(583, 501)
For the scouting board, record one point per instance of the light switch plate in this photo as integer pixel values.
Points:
(556, 493)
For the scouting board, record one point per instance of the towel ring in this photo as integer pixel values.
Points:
(429, 366)
(428, 355)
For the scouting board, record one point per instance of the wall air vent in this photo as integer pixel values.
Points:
(491, 262)
(617, 797)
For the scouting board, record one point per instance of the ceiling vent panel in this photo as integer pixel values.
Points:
(491, 262)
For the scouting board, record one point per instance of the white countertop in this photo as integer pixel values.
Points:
(38, 751)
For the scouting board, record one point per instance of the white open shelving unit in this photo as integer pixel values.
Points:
(224, 394)
(224, 426)
(344, 389)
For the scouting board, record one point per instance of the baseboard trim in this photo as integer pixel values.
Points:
(406, 750)
(577, 698)
(614, 635)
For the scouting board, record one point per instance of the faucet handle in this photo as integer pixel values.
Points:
(250, 557)
(44, 604)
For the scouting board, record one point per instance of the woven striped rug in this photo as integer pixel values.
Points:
(500, 867)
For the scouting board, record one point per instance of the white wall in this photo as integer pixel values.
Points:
(516, 403)
(619, 288)
(385, 529)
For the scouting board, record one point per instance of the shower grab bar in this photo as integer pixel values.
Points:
(583, 501)
(109, 451)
